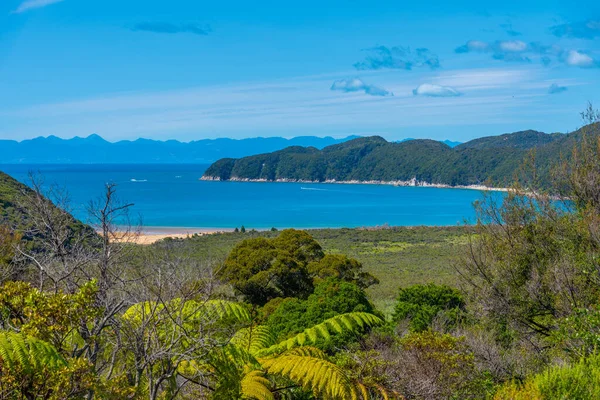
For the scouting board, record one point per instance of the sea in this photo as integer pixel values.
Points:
(173, 196)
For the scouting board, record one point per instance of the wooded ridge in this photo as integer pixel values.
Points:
(493, 160)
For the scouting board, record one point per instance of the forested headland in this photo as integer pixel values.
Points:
(512, 313)
(493, 161)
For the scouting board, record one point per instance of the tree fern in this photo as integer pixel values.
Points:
(190, 311)
(307, 351)
(27, 353)
(255, 386)
(218, 309)
(254, 339)
(350, 322)
(318, 375)
(243, 366)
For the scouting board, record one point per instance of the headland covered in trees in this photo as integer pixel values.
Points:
(489, 162)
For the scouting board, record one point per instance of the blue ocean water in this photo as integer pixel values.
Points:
(173, 196)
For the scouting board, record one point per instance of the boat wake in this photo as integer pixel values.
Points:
(139, 180)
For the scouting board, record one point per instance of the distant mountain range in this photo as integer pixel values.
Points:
(490, 160)
(94, 149)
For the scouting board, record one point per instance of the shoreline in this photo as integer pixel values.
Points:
(410, 183)
(153, 234)
(183, 230)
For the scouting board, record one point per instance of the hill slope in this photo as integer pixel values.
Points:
(17, 218)
(492, 160)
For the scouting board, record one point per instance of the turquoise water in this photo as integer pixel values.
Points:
(173, 196)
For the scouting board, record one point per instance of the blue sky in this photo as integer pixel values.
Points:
(189, 70)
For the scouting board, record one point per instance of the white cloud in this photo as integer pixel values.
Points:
(348, 85)
(556, 88)
(577, 59)
(33, 4)
(427, 89)
(357, 85)
(477, 45)
(514, 46)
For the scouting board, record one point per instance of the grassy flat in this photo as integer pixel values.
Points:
(398, 257)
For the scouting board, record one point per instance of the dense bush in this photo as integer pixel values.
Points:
(330, 298)
(420, 304)
(287, 265)
(426, 365)
(579, 381)
(262, 269)
(343, 268)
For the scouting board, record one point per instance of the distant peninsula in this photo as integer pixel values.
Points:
(490, 161)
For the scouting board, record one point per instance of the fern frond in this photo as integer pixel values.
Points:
(190, 311)
(142, 311)
(320, 376)
(350, 322)
(383, 392)
(28, 353)
(254, 338)
(364, 391)
(368, 391)
(256, 386)
(215, 310)
(307, 351)
(238, 356)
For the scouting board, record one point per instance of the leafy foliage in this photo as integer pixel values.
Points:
(576, 381)
(353, 322)
(254, 385)
(32, 368)
(252, 356)
(8, 242)
(443, 360)
(286, 266)
(322, 377)
(579, 334)
(422, 303)
(330, 298)
(343, 268)
(262, 269)
(28, 353)
(54, 318)
(397, 256)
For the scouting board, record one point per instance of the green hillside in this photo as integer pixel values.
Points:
(493, 160)
(13, 213)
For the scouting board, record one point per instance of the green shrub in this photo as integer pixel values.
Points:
(580, 381)
(578, 335)
(422, 303)
(330, 298)
(343, 268)
(263, 269)
(440, 366)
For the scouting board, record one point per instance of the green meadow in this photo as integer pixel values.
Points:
(397, 256)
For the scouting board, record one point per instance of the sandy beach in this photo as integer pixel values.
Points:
(150, 235)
